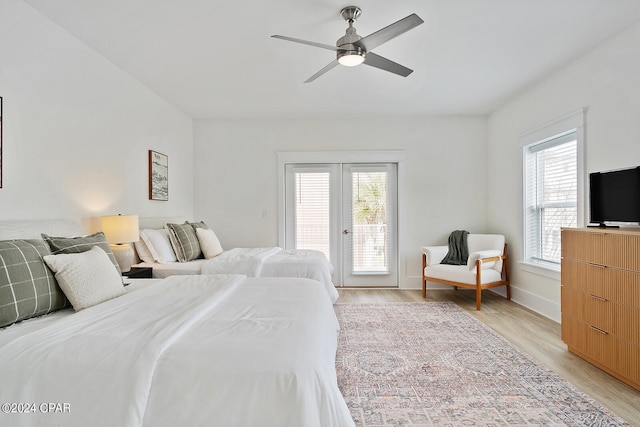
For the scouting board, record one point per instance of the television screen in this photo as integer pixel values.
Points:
(615, 196)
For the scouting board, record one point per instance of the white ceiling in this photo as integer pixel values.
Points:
(215, 59)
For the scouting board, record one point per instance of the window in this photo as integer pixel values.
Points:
(552, 190)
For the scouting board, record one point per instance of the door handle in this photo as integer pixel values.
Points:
(345, 231)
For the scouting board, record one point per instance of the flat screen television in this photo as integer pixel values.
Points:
(614, 196)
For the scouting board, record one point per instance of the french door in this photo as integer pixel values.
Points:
(349, 212)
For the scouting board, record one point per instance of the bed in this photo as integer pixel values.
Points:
(252, 262)
(225, 350)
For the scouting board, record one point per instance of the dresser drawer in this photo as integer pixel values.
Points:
(629, 362)
(620, 286)
(603, 247)
(603, 314)
(617, 355)
(598, 345)
(587, 246)
(622, 251)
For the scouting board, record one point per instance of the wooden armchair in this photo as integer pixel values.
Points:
(487, 266)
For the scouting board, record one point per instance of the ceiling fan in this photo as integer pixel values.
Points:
(353, 49)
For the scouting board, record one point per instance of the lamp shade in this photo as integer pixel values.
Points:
(120, 228)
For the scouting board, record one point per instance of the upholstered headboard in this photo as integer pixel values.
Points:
(31, 229)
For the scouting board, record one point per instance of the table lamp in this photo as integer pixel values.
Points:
(120, 230)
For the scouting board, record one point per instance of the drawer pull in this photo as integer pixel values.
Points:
(599, 330)
(597, 265)
(598, 298)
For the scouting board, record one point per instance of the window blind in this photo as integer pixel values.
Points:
(551, 188)
(312, 211)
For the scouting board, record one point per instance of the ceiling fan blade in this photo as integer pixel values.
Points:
(385, 64)
(329, 66)
(374, 40)
(291, 39)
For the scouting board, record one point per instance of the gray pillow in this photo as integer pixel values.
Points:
(184, 241)
(199, 224)
(76, 245)
(27, 287)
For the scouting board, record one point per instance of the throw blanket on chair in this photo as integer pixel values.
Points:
(458, 250)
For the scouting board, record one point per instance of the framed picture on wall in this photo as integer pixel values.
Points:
(158, 176)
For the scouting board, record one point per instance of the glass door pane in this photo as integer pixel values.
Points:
(312, 206)
(369, 225)
(369, 219)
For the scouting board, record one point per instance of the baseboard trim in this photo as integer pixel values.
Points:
(543, 306)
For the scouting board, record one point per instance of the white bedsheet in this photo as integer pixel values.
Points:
(188, 350)
(246, 261)
(274, 262)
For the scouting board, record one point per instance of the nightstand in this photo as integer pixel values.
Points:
(139, 273)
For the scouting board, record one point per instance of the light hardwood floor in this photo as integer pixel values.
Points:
(535, 334)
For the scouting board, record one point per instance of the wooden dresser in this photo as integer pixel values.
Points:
(601, 299)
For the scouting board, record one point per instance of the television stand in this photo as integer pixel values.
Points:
(602, 225)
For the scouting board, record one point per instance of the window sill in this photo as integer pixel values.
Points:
(370, 273)
(545, 270)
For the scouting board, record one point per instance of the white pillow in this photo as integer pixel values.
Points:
(209, 242)
(86, 278)
(159, 245)
(490, 253)
(143, 251)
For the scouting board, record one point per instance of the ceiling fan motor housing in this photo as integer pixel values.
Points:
(350, 56)
(346, 47)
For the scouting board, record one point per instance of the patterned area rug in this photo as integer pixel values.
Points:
(433, 364)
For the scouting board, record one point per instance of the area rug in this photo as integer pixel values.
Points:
(433, 364)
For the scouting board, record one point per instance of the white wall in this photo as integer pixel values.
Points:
(77, 129)
(606, 82)
(445, 175)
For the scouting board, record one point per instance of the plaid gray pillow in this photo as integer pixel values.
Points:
(76, 245)
(200, 224)
(184, 241)
(27, 287)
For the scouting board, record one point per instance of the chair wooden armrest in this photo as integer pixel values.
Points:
(493, 258)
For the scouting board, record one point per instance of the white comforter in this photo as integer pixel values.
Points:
(189, 350)
(274, 262)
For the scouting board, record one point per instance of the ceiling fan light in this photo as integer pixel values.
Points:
(351, 59)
